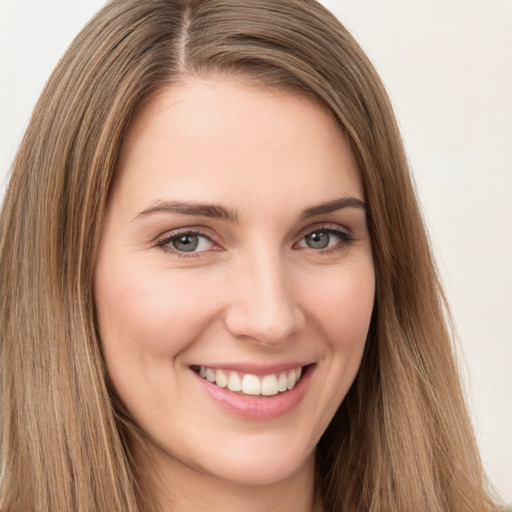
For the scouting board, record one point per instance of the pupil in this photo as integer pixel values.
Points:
(186, 243)
(318, 240)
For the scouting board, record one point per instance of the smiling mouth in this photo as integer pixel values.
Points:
(249, 384)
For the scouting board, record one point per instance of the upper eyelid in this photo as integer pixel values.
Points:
(326, 226)
(173, 233)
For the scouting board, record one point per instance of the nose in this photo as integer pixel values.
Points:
(264, 307)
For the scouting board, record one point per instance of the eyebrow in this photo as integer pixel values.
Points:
(220, 212)
(332, 206)
(190, 208)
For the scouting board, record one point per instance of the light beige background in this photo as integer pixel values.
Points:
(447, 65)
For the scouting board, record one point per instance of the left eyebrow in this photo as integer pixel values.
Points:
(332, 206)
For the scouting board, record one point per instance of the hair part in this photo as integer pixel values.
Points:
(400, 441)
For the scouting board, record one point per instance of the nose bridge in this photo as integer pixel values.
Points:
(264, 306)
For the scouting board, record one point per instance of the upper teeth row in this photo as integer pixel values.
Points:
(252, 384)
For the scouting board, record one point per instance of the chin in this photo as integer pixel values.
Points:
(256, 459)
(263, 470)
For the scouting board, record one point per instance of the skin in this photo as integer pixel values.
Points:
(254, 291)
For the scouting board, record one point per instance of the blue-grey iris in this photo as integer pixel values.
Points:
(317, 240)
(186, 243)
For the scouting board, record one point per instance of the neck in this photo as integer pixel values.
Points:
(181, 488)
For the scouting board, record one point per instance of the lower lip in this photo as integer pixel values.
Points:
(258, 407)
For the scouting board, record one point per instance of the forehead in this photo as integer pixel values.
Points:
(222, 141)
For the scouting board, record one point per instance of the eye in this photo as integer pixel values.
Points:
(187, 242)
(325, 238)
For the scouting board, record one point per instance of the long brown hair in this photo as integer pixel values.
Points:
(400, 441)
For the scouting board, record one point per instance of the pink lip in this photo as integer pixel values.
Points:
(257, 407)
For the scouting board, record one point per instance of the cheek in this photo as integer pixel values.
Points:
(147, 313)
(340, 313)
(146, 320)
(343, 307)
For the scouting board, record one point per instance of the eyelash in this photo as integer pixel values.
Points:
(165, 241)
(344, 237)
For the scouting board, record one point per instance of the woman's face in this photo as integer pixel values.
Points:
(234, 256)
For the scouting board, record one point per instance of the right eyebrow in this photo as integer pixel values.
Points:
(189, 208)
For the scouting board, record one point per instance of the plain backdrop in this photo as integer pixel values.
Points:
(447, 65)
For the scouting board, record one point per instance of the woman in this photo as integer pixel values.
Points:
(215, 277)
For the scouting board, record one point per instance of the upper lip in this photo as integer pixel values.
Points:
(255, 369)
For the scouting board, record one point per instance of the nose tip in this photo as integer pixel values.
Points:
(265, 330)
(264, 311)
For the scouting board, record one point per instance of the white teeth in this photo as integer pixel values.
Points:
(292, 379)
(234, 382)
(282, 383)
(221, 379)
(249, 384)
(269, 385)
